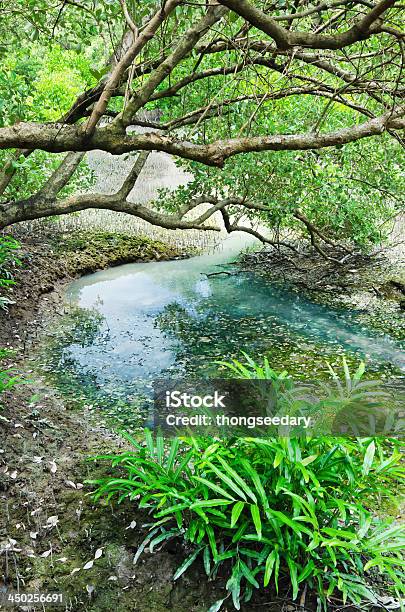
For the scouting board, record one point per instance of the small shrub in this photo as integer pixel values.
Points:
(269, 511)
(8, 261)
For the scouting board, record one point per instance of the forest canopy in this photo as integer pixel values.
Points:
(289, 114)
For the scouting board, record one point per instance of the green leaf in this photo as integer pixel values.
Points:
(270, 561)
(292, 566)
(309, 459)
(212, 541)
(254, 509)
(248, 574)
(238, 479)
(186, 564)
(149, 442)
(227, 481)
(214, 487)
(172, 454)
(208, 503)
(295, 526)
(207, 561)
(368, 458)
(236, 512)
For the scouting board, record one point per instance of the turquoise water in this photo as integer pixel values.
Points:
(137, 322)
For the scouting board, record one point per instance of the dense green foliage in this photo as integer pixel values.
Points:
(270, 511)
(54, 53)
(263, 510)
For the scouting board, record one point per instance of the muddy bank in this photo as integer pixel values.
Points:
(50, 531)
(372, 286)
(52, 259)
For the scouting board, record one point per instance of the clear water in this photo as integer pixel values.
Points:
(137, 322)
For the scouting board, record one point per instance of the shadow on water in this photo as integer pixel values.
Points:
(134, 323)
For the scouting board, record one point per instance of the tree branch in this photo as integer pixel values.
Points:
(285, 39)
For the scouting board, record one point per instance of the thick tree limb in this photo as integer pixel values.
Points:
(285, 39)
(58, 138)
(187, 44)
(61, 176)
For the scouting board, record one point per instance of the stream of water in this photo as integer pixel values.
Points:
(134, 323)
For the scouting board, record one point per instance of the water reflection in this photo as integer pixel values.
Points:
(169, 318)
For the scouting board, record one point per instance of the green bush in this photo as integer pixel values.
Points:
(8, 261)
(271, 511)
(295, 512)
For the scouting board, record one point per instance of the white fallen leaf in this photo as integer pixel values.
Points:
(33, 534)
(52, 521)
(76, 569)
(37, 459)
(53, 467)
(70, 483)
(62, 559)
(132, 525)
(13, 475)
(89, 589)
(79, 485)
(46, 553)
(88, 565)
(98, 553)
(112, 578)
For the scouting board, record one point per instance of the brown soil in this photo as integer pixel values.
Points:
(50, 529)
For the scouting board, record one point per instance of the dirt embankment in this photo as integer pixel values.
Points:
(53, 259)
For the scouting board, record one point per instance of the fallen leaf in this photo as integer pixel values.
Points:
(88, 565)
(52, 521)
(46, 553)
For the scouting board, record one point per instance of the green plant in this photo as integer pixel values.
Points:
(262, 510)
(8, 259)
(348, 402)
(270, 510)
(8, 379)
